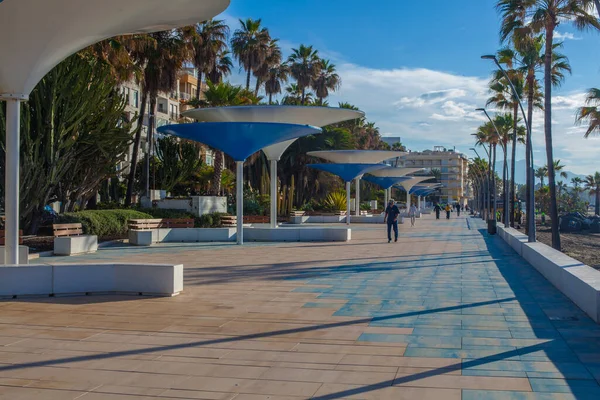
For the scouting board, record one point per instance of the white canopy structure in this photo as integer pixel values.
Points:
(356, 156)
(36, 35)
(408, 185)
(393, 172)
(314, 116)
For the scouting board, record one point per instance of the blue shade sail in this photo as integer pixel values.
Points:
(347, 172)
(239, 139)
(385, 182)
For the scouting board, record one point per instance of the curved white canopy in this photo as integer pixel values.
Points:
(315, 116)
(392, 172)
(412, 182)
(35, 35)
(430, 185)
(356, 156)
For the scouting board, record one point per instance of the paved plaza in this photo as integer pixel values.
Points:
(446, 313)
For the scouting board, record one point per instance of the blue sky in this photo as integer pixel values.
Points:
(415, 67)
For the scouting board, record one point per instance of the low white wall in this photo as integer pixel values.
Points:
(72, 245)
(577, 281)
(297, 235)
(190, 235)
(320, 219)
(23, 255)
(74, 279)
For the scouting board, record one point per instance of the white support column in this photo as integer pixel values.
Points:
(407, 200)
(239, 182)
(357, 203)
(11, 192)
(385, 198)
(419, 203)
(348, 203)
(274, 194)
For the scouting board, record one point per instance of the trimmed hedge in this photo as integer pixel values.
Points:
(205, 221)
(104, 223)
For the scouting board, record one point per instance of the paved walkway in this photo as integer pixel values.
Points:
(446, 313)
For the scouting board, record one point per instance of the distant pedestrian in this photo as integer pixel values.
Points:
(413, 215)
(448, 210)
(437, 210)
(457, 210)
(391, 216)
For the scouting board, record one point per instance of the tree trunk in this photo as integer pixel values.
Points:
(489, 185)
(530, 182)
(597, 211)
(258, 84)
(136, 149)
(150, 140)
(494, 186)
(303, 95)
(270, 98)
(199, 85)
(548, 135)
(248, 78)
(218, 168)
(513, 163)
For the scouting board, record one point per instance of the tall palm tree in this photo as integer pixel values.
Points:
(558, 167)
(208, 40)
(591, 112)
(272, 59)
(576, 182)
(544, 16)
(223, 66)
(592, 183)
(326, 80)
(293, 95)
(486, 136)
(250, 46)
(162, 56)
(305, 66)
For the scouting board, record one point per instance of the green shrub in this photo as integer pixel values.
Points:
(208, 221)
(104, 223)
(336, 201)
(166, 213)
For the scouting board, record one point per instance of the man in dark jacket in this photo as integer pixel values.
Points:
(437, 210)
(391, 216)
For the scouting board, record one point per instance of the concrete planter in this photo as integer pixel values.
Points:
(197, 205)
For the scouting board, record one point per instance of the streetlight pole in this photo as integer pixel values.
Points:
(529, 150)
(504, 171)
(481, 176)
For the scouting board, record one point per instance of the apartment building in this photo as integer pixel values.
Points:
(453, 166)
(169, 107)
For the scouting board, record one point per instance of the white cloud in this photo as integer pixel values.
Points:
(565, 36)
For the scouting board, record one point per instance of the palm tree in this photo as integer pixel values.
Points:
(250, 46)
(272, 59)
(591, 112)
(277, 75)
(558, 167)
(576, 182)
(305, 66)
(222, 67)
(208, 40)
(162, 56)
(326, 80)
(486, 135)
(592, 183)
(541, 174)
(294, 96)
(545, 16)
(437, 173)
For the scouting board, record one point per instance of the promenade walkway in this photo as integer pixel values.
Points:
(446, 313)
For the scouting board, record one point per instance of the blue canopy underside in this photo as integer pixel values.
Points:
(239, 139)
(416, 189)
(347, 172)
(385, 182)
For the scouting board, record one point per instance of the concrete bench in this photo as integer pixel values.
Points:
(23, 250)
(180, 235)
(144, 224)
(79, 279)
(299, 234)
(69, 240)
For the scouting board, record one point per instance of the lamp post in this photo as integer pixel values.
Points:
(504, 170)
(481, 176)
(528, 150)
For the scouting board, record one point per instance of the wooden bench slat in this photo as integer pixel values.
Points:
(60, 230)
(156, 223)
(3, 236)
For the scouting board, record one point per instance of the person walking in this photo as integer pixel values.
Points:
(457, 210)
(437, 210)
(413, 214)
(391, 216)
(448, 210)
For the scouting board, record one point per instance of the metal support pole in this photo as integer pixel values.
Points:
(357, 202)
(348, 203)
(385, 199)
(408, 200)
(274, 194)
(11, 192)
(419, 203)
(239, 183)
